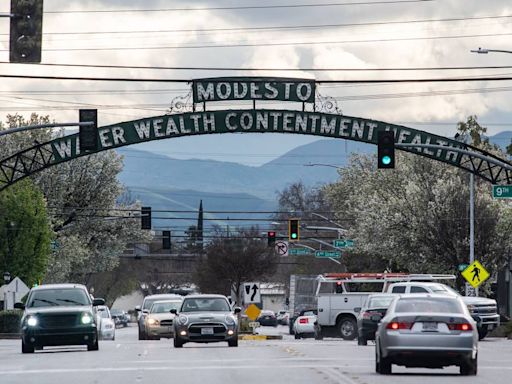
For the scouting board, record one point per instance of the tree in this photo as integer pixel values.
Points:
(416, 217)
(230, 261)
(91, 226)
(25, 233)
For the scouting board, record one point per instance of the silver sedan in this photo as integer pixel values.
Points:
(427, 330)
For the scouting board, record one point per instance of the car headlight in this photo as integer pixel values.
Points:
(152, 321)
(471, 307)
(182, 320)
(86, 318)
(32, 321)
(230, 320)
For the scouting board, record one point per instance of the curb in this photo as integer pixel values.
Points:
(10, 336)
(260, 337)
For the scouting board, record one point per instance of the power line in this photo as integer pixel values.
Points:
(242, 7)
(311, 69)
(319, 81)
(278, 28)
(272, 44)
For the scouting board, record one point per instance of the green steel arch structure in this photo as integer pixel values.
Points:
(334, 125)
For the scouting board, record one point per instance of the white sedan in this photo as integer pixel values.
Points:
(306, 325)
(106, 325)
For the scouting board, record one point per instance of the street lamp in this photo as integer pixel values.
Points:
(486, 51)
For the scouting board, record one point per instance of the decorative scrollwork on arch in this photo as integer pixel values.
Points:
(184, 103)
(325, 104)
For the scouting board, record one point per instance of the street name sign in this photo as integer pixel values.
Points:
(299, 252)
(502, 191)
(329, 254)
(343, 243)
(475, 274)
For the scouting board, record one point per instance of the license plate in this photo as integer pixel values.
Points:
(430, 326)
(206, 331)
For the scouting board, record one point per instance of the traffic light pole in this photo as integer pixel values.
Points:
(42, 126)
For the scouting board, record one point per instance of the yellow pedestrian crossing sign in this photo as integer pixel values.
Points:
(475, 274)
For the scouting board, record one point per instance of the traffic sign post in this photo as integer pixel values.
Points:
(328, 254)
(475, 274)
(343, 243)
(502, 191)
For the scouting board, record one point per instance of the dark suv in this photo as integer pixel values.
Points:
(58, 314)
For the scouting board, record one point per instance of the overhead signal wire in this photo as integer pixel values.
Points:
(241, 7)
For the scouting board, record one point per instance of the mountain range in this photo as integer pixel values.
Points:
(169, 184)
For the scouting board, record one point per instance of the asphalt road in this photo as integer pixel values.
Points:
(287, 361)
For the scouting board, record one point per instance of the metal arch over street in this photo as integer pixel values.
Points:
(62, 149)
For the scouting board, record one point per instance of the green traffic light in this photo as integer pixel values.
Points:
(386, 160)
(294, 235)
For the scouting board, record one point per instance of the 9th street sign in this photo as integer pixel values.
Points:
(502, 191)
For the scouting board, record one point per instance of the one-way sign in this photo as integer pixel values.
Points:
(252, 293)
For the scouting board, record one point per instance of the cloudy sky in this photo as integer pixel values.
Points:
(293, 34)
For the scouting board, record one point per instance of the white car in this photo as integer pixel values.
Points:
(106, 325)
(306, 325)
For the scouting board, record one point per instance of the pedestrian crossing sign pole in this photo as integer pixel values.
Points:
(475, 274)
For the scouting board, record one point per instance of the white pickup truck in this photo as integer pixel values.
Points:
(340, 297)
(483, 310)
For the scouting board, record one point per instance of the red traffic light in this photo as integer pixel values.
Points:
(271, 238)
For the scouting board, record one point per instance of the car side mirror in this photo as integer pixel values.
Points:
(237, 310)
(19, 306)
(174, 311)
(376, 318)
(357, 309)
(98, 301)
(145, 311)
(137, 308)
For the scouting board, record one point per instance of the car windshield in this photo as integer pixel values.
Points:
(380, 302)
(205, 305)
(164, 307)
(58, 297)
(428, 305)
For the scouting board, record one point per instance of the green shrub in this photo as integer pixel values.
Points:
(244, 326)
(10, 321)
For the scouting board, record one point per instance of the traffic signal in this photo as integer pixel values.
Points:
(26, 31)
(145, 218)
(386, 149)
(88, 134)
(271, 238)
(293, 230)
(166, 239)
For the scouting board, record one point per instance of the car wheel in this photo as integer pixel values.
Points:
(26, 348)
(178, 343)
(93, 347)
(347, 328)
(385, 366)
(141, 335)
(469, 368)
(233, 342)
(297, 335)
(482, 332)
(361, 341)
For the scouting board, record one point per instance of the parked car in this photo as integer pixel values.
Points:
(120, 317)
(143, 311)
(306, 325)
(205, 319)
(376, 304)
(427, 330)
(159, 321)
(283, 317)
(106, 325)
(58, 314)
(267, 318)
